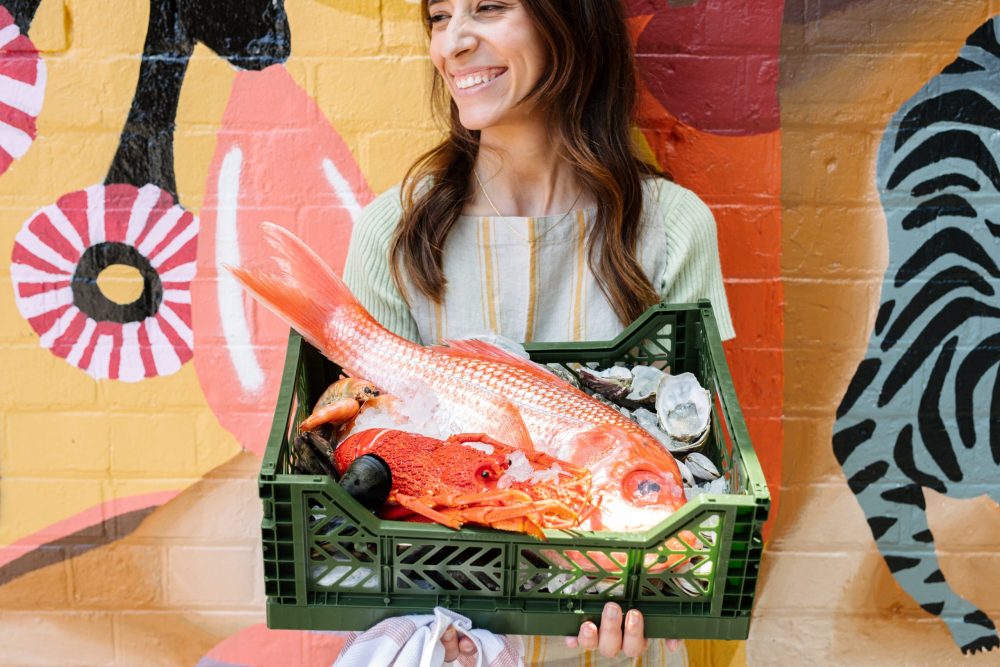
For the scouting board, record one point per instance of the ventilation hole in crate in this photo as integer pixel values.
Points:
(530, 557)
(489, 583)
(487, 558)
(407, 554)
(342, 577)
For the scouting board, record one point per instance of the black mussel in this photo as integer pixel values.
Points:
(368, 480)
(312, 454)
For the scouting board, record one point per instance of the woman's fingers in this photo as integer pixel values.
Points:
(610, 642)
(634, 642)
(466, 646)
(455, 644)
(450, 641)
(587, 637)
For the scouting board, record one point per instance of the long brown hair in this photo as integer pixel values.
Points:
(588, 90)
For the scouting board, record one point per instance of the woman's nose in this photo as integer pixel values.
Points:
(459, 36)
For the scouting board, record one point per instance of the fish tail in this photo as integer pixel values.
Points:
(298, 286)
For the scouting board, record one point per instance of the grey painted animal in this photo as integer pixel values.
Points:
(923, 408)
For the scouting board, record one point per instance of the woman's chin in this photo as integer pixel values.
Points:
(474, 123)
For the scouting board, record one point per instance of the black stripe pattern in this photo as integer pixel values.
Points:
(923, 408)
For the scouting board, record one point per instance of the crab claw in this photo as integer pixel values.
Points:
(339, 403)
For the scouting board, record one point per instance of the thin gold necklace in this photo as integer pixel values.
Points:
(500, 215)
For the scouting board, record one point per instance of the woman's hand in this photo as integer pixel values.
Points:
(609, 639)
(453, 645)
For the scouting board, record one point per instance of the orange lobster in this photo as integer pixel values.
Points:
(465, 479)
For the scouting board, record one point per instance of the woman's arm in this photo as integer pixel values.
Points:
(367, 271)
(693, 270)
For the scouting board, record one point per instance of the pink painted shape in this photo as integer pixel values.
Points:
(713, 64)
(257, 646)
(89, 517)
(284, 139)
(20, 61)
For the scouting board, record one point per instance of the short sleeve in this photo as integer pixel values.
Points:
(692, 270)
(367, 271)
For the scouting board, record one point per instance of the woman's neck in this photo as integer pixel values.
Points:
(522, 174)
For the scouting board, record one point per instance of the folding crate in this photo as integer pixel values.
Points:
(330, 564)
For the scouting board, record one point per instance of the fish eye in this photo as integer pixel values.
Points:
(648, 486)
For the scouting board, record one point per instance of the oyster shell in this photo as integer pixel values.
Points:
(683, 407)
(702, 467)
(613, 383)
(642, 392)
(686, 473)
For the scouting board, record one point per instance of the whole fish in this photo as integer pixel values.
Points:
(479, 388)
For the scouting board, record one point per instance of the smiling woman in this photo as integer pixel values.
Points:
(534, 218)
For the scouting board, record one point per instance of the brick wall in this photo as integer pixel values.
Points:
(128, 510)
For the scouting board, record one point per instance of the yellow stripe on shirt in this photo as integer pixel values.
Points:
(490, 287)
(581, 260)
(529, 328)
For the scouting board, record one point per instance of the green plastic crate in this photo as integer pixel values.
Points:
(329, 564)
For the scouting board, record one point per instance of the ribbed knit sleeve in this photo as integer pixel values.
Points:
(693, 270)
(367, 271)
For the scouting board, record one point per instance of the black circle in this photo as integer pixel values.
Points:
(89, 298)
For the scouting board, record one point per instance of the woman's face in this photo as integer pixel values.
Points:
(489, 54)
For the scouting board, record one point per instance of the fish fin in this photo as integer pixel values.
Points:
(483, 350)
(510, 428)
(298, 286)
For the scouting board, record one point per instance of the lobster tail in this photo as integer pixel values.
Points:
(299, 287)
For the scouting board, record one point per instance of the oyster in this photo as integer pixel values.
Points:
(642, 391)
(683, 408)
(686, 474)
(702, 467)
(613, 383)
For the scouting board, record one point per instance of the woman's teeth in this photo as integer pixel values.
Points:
(475, 79)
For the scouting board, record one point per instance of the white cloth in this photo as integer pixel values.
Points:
(415, 641)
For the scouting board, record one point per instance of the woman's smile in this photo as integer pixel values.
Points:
(470, 83)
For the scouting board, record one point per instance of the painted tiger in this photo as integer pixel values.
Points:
(923, 408)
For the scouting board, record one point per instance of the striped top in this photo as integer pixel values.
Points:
(527, 278)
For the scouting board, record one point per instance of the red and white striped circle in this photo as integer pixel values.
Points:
(22, 89)
(44, 262)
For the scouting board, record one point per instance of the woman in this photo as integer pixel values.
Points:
(534, 219)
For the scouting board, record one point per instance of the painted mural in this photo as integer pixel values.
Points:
(922, 409)
(21, 98)
(129, 517)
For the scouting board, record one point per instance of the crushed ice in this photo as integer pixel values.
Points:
(415, 411)
(521, 470)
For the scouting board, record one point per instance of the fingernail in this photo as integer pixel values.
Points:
(468, 649)
(589, 629)
(448, 635)
(611, 611)
(672, 644)
(633, 618)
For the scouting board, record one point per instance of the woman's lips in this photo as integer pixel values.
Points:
(469, 84)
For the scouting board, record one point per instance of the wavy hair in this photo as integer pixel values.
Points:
(588, 93)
